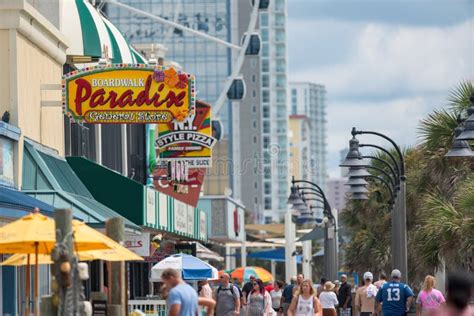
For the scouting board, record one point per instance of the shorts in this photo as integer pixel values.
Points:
(345, 312)
(329, 312)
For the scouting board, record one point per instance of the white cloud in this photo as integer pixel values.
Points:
(397, 118)
(388, 59)
(410, 68)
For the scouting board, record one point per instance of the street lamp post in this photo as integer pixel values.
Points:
(330, 223)
(397, 188)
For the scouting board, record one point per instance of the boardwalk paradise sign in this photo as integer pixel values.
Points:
(126, 94)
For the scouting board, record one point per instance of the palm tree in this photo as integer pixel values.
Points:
(440, 204)
(440, 189)
(446, 228)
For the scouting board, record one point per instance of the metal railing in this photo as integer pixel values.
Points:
(151, 307)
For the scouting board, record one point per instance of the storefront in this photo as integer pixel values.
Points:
(165, 221)
(226, 226)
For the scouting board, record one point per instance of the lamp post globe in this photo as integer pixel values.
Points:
(459, 148)
(358, 189)
(356, 181)
(468, 132)
(358, 172)
(359, 196)
(353, 157)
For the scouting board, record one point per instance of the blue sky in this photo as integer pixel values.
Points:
(385, 64)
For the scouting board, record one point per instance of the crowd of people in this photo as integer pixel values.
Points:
(302, 298)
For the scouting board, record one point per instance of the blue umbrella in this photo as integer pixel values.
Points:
(190, 267)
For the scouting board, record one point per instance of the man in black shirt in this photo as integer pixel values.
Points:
(345, 297)
(247, 289)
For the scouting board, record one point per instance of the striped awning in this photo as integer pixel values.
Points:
(90, 33)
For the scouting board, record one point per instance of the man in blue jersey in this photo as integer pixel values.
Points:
(395, 296)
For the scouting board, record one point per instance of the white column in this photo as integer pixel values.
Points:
(233, 258)
(290, 248)
(227, 257)
(98, 144)
(123, 128)
(273, 268)
(243, 254)
(440, 275)
(307, 259)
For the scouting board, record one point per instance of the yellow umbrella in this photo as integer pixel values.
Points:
(106, 255)
(35, 234)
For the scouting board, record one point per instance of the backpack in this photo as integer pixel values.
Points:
(232, 290)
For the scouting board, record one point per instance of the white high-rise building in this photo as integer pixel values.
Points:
(309, 99)
(274, 73)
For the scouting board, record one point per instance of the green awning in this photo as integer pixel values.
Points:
(120, 193)
(90, 33)
(49, 178)
(140, 204)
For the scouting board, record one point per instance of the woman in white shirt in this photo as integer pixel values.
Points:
(328, 299)
(276, 296)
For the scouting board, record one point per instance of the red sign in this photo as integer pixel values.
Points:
(186, 191)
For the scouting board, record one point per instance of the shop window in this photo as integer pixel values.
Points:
(6, 161)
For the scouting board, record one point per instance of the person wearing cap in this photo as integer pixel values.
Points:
(396, 297)
(345, 297)
(365, 296)
(328, 299)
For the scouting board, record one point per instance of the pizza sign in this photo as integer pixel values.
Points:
(190, 140)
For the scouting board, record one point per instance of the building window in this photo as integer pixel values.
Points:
(265, 50)
(265, 35)
(254, 109)
(264, 19)
(255, 139)
(266, 127)
(268, 203)
(266, 141)
(265, 65)
(265, 81)
(254, 78)
(268, 188)
(6, 161)
(254, 124)
(265, 96)
(255, 185)
(268, 219)
(253, 62)
(267, 172)
(266, 111)
(254, 93)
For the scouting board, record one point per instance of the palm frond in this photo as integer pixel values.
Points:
(437, 130)
(458, 99)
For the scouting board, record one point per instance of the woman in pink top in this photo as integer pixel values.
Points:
(459, 288)
(429, 299)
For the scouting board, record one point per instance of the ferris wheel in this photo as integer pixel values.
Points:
(234, 86)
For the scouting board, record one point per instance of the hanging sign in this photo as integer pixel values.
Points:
(190, 139)
(186, 190)
(127, 94)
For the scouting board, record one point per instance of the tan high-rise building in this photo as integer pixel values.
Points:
(299, 147)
